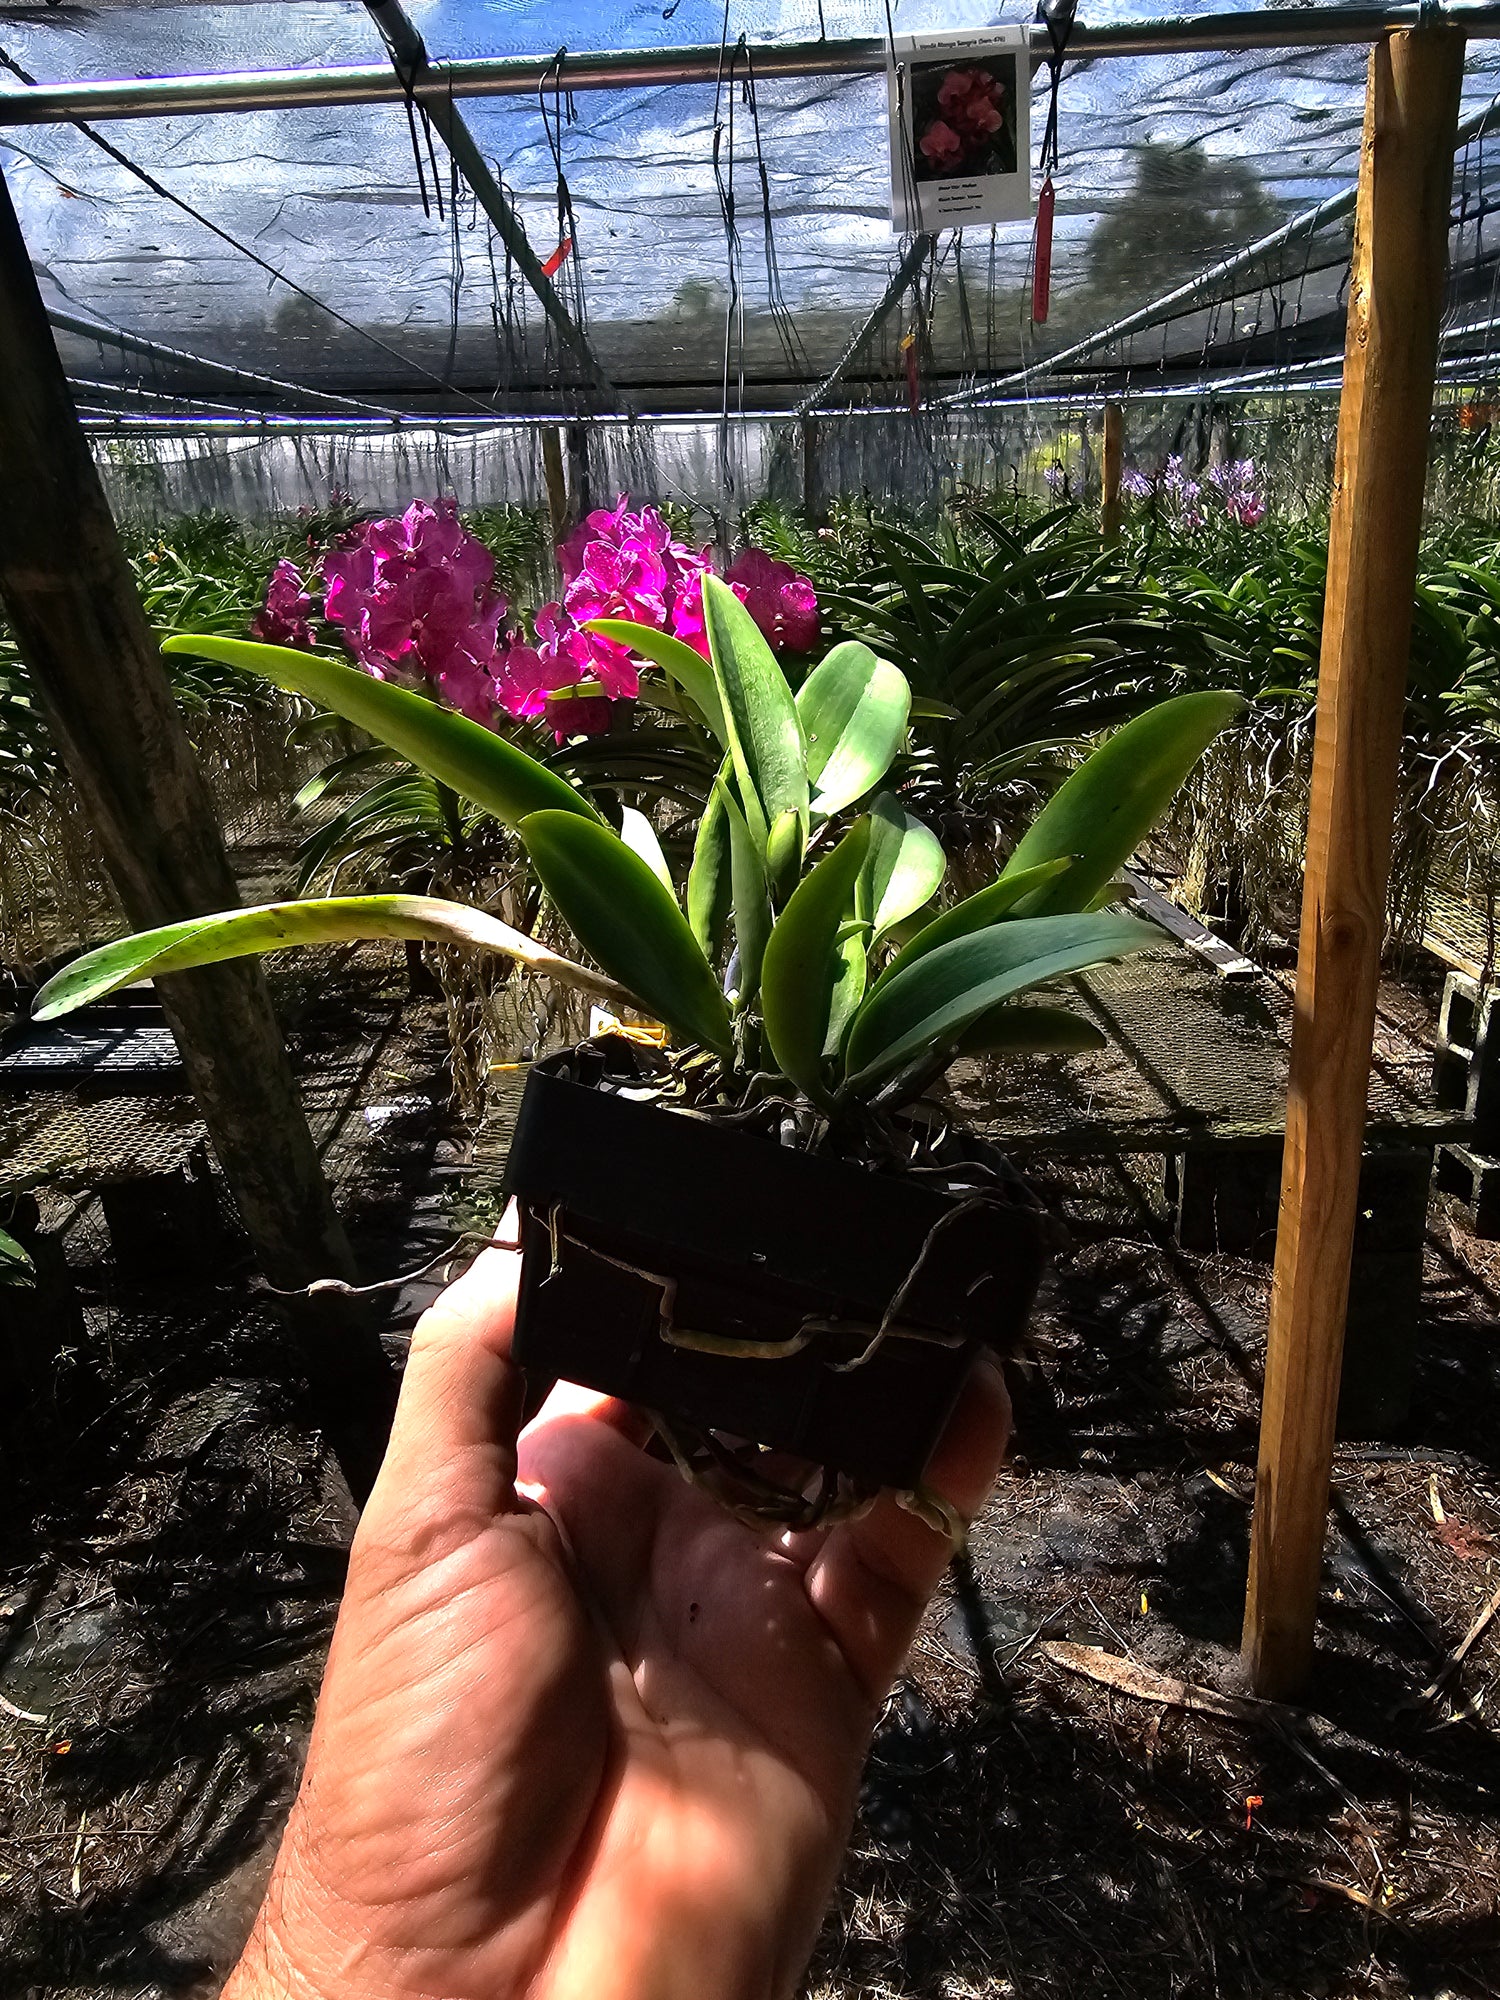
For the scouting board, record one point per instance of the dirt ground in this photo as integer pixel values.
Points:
(1026, 1829)
(171, 1555)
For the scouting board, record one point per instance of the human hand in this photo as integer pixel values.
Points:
(584, 1735)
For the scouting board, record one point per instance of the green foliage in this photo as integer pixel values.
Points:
(807, 989)
(903, 869)
(624, 916)
(1021, 641)
(687, 671)
(461, 754)
(211, 574)
(1011, 1030)
(278, 926)
(16, 1267)
(802, 964)
(853, 709)
(977, 912)
(929, 1005)
(710, 884)
(1108, 806)
(763, 732)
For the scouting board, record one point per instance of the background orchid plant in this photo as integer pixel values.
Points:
(845, 980)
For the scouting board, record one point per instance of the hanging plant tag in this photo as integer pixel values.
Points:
(913, 372)
(1041, 255)
(960, 128)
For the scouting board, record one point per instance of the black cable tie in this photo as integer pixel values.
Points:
(1056, 16)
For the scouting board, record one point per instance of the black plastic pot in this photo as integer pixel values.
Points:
(642, 1227)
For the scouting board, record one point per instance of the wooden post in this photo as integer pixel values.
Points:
(1114, 465)
(580, 480)
(91, 656)
(812, 487)
(1395, 299)
(556, 482)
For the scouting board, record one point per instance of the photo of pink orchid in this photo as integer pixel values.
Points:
(964, 119)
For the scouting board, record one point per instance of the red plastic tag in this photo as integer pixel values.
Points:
(913, 375)
(1041, 255)
(558, 258)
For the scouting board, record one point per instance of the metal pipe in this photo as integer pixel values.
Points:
(100, 392)
(156, 350)
(905, 274)
(523, 76)
(1317, 378)
(287, 424)
(413, 65)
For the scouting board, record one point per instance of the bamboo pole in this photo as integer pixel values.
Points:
(94, 662)
(1395, 299)
(1114, 465)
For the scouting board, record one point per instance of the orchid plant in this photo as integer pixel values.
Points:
(809, 945)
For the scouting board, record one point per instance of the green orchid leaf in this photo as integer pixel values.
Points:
(1021, 1030)
(930, 1004)
(803, 962)
(977, 912)
(16, 1267)
(785, 845)
(690, 670)
(902, 870)
(376, 758)
(760, 718)
(850, 981)
(903, 932)
(925, 709)
(1103, 812)
(472, 760)
(853, 707)
(317, 920)
(710, 884)
(624, 918)
(639, 835)
(751, 899)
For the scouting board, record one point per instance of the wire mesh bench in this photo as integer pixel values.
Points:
(1196, 1072)
(1193, 1062)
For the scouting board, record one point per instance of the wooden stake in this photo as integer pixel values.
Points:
(812, 487)
(1114, 465)
(556, 482)
(93, 660)
(1395, 299)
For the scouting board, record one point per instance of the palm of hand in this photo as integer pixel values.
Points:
(583, 1733)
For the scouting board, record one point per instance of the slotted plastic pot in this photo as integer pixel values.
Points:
(649, 1235)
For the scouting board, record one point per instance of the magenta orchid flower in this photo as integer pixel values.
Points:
(413, 597)
(783, 604)
(285, 619)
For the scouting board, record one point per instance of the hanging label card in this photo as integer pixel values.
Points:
(960, 122)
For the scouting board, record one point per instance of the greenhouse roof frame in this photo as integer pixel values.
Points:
(511, 76)
(413, 66)
(1203, 284)
(569, 375)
